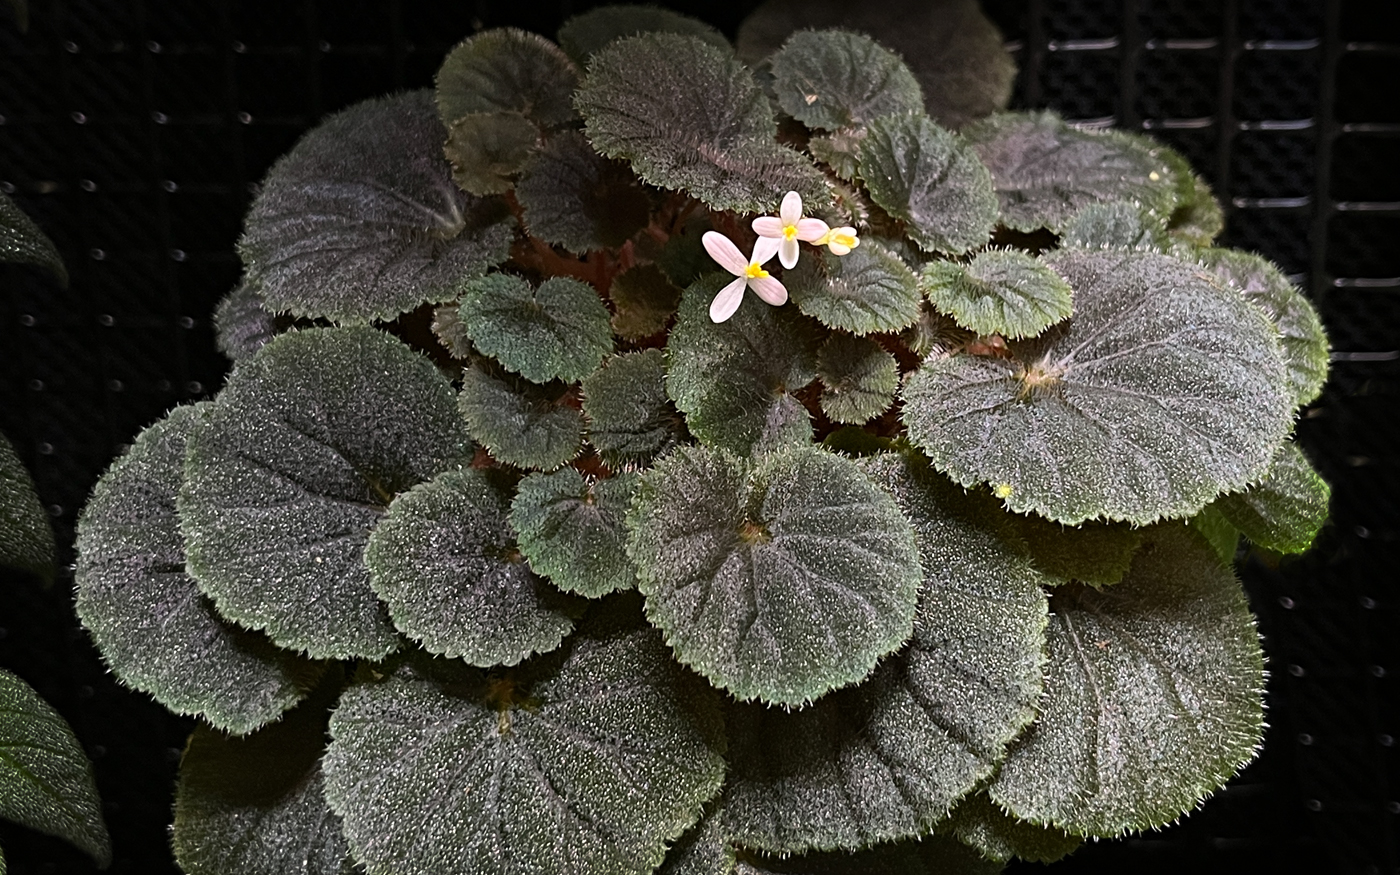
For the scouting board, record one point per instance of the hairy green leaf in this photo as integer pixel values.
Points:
(859, 378)
(644, 300)
(703, 850)
(930, 178)
(933, 333)
(928, 855)
(630, 419)
(361, 220)
(1046, 171)
(242, 323)
(1001, 291)
(487, 150)
(255, 805)
(507, 70)
(830, 79)
(520, 423)
(1300, 330)
(888, 758)
(451, 333)
(571, 530)
(1153, 696)
(26, 537)
(869, 290)
(292, 466)
(840, 150)
(46, 780)
(576, 198)
(1162, 391)
(1096, 553)
(559, 331)
(981, 824)
(1197, 219)
(777, 581)
(22, 241)
(1223, 537)
(587, 761)
(156, 631)
(583, 35)
(1284, 511)
(445, 561)
(689, 116)
(734, 380)
(954, 51)
(1115, 225)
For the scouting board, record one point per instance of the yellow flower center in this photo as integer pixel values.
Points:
(755, 271)
(790, 232)
(843, 239)
(1002, 490)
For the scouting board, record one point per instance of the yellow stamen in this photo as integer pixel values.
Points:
(1002, 490)
(790, 232)
(844, 239)
(755, 271)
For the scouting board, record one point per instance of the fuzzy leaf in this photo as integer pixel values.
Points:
(839, 150)
(644, 299)
(689, 116)
(451, 333)
(156, 631)
(242, 323)
(1153, 696)
(703, 850)
(576, 198)
(587, 761)
(1286, 510)
(1095, 553)
(293, 465)
(869, 290)
(361, 220)
(22, 241)
(572, 530)
(26, 537)
(1002, 291)
(255, 805)
(487, 150)
(630, 419)
(1114, 225)
(1305, 352)
(830, 79)
(928, 855)
(520, 423)
(583, 35)
(1197, 219)
(46, 779)
(859, 376)
(507, 70)
(734, 380)
(1129, 411)
(888, 758)
(557, 331)
(445, 562)
(1046, 171)
(998, 836)
(932, 180)
(954, 51)
(779, 581)
(1223, 537)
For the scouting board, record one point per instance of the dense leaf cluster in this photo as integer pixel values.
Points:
(922, 570)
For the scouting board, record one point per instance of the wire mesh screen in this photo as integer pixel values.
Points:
(134, 133)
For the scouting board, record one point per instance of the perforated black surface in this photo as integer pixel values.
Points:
(132, 132)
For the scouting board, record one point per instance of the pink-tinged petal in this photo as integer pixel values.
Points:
(839, 248)
(811, 229)
(787, 253)
(791, 210)
(723, 250)
(769, 290)
(728, 300)
(764, 248)
(768, 226)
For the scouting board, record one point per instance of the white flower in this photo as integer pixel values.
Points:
(788, 227)
(749, 271)
(840, 240)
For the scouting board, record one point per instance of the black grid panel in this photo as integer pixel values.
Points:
(134, 130)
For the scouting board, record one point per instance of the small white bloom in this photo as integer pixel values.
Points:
(840, 240)
(788, 227)
(749, 271)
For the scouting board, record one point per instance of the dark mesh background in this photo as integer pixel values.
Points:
(132, 131)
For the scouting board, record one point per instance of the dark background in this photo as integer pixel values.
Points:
(134, 131)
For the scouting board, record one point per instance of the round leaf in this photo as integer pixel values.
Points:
(26, 537)
(242, 324)
(1197, 219)
(572, 530)
(487, 149)
(930, 178)
(155, 630)
(361, 220)
(576, 198)
(928, 855)
(859, 378)
(520, 423)
(557, 331)
(1095, 553)
(1284, 511)
(869, 290)
(1163, 391)
(1153, 696)
(592, 759)
(507, 70)
(689, 116)
(445, 561)
(630, 419)
(979, 823)
(644, 299)
(293, 465)
(777, 582)
(1002, 291)
(583, 35)
(1114, 225)
(831, 79)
